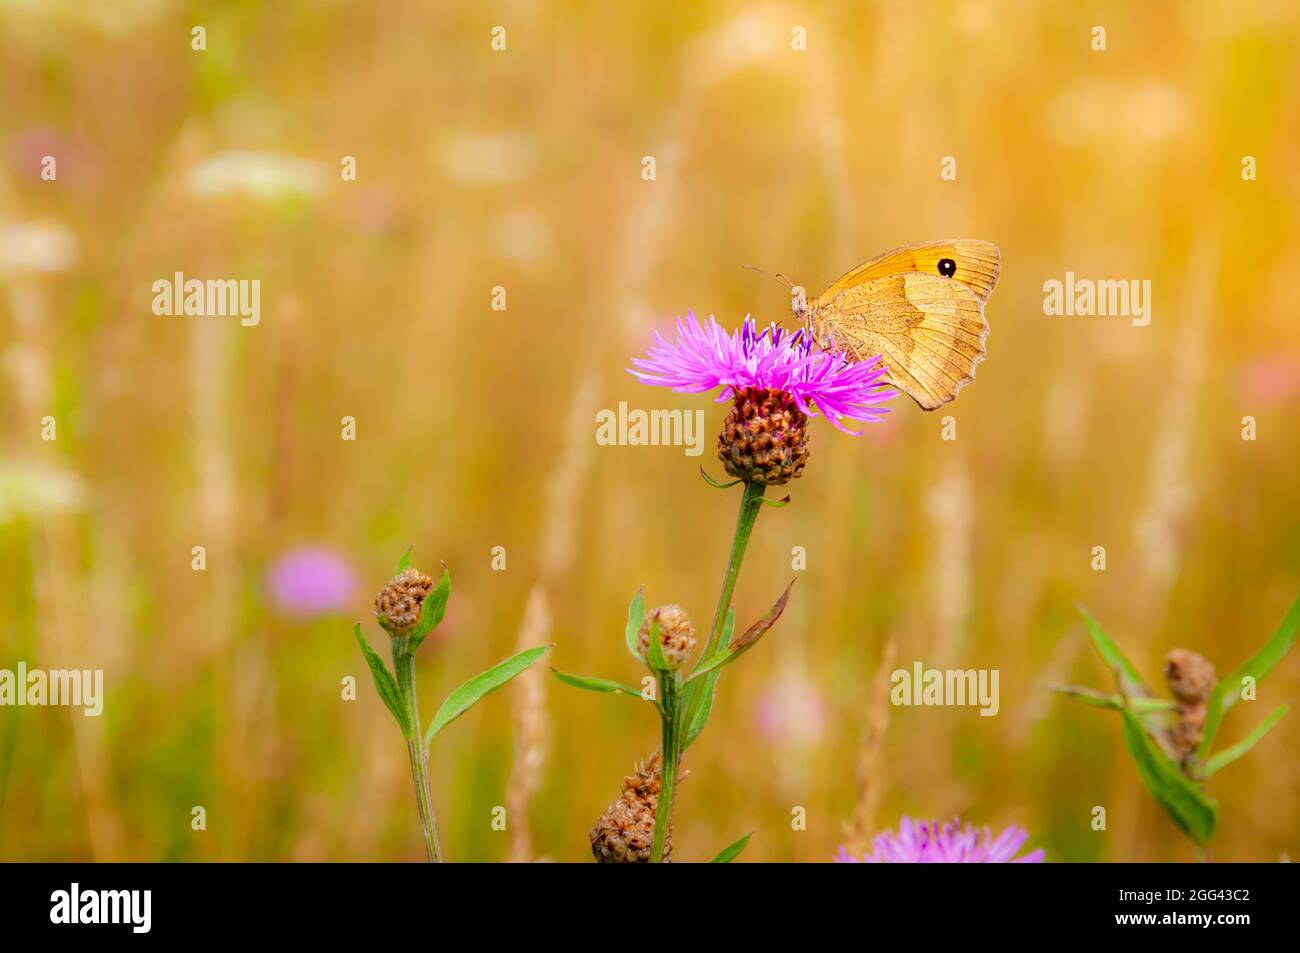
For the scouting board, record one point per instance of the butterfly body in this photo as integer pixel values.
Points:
(920, 309)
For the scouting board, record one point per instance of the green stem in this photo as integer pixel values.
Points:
(417, 751)
(669, 683)
(750, 503)
(677, 711)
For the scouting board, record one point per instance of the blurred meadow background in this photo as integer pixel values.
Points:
(475, 427)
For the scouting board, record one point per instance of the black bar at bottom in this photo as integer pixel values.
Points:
(579, 902)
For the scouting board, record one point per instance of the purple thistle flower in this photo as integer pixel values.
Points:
(706, 356)
(310, 581)
(928, 842)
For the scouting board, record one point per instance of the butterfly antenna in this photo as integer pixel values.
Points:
(778, 277)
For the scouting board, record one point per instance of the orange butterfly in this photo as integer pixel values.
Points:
(920, 308)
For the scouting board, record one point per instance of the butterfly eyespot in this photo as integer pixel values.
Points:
(947, 267)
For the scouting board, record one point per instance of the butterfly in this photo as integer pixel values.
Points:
(919, 308)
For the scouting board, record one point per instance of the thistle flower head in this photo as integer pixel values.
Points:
(625, 832)
(398, 604)
(765, 437)
(676, 634)
(928, 842)
(814, 378)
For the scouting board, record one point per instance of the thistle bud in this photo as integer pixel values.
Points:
(1188, 731)
(399, 603)
(676, 634)
(1191, 679)
(764, 438)
(625, 832)
(1190, 676)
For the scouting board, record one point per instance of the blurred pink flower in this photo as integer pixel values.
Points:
(928, 842)
(1270, 379)
(790, 711)
(78, 160)
(311, 581)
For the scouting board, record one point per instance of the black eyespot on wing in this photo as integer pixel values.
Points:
(947, 267)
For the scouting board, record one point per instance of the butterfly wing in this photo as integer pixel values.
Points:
(928, 330)
(977, 266)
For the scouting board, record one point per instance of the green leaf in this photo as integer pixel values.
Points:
(404, 563)
(716, 484)
(463, 698)
(747, 639)
(1231, 753)
(385, 684)
(655, 657)
(712, 665)
(731, 853)
(1182, 799)
(635, 616)
(592, 684)
(1151, 706)
(1228, 691)
(432, 610)
(743, 642)
(699, 714)
(1115, 701)
(1110, 654)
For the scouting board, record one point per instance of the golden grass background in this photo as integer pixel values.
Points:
(476, 427)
